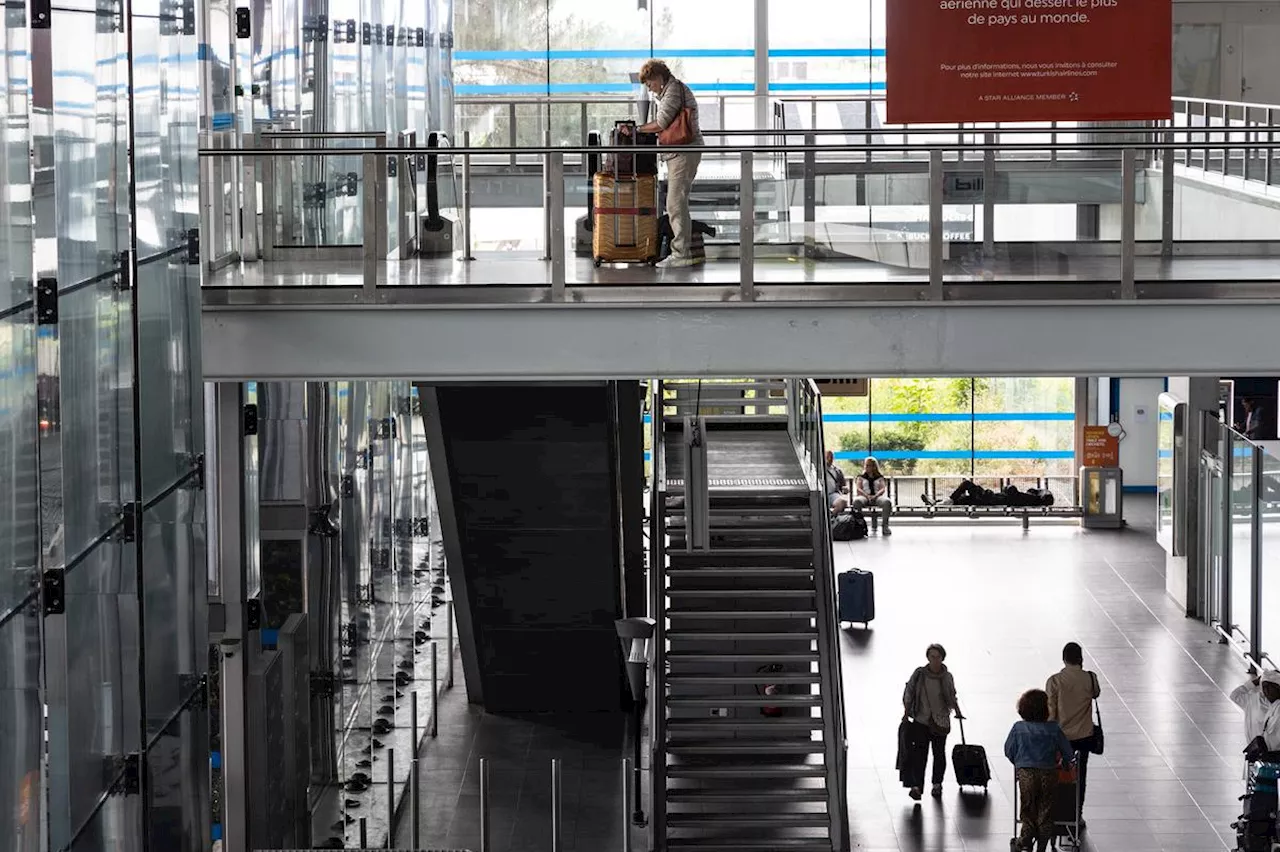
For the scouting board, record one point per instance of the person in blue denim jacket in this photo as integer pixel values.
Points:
(1037, 748)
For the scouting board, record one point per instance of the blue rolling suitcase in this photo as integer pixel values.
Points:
(856, 591)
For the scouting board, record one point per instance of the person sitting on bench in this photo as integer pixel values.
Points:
(873, 490)
(837, 487)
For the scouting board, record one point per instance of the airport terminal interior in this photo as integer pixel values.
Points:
(580, 426)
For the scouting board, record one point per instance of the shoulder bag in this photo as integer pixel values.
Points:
(1097, 742)
(679, 131)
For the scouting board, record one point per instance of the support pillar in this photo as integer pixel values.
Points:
(1185, 571)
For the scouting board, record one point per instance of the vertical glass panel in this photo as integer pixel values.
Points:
(178, 783)
(1269, 500)
(1024, 430)
(173, 553)
(709, 44)
(501, 49)
(1197, 59)
(835, 57)
(166, 296)
(15, 161)
(21, 731)
(97, 414)
(89, 82)
(921, 427)
(93, 695)
(19, 498)
(1241, 532)
(847, 429)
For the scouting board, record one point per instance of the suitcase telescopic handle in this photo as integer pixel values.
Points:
(960, 719)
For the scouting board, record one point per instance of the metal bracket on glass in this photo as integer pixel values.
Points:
(128, 515)
(196, 686)
(323, 684)
(193, 246)
(177, 17)
(380, 559)
(108, 17)
(124, 271)
(250, 421)
(380, 430)
(253, 614)
(128, 771)
(347, 486)
(47, 301)
(244, 22)
(53, 589)
(315, 28)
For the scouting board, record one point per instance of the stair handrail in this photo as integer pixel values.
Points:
(658, 612)
(804, 422)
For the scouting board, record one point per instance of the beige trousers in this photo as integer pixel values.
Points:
(681, 170)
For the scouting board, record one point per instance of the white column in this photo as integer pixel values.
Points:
(762, 117)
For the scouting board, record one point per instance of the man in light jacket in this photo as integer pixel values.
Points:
(1257, 697)
(1071, 694)
(674, 96)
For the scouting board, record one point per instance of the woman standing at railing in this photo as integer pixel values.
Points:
(676, 123)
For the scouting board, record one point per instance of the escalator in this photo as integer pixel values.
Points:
(529, 480)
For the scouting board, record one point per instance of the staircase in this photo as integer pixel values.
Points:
(748, 727)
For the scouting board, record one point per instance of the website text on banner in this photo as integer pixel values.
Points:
(1028, 60)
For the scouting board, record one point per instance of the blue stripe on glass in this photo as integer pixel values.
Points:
(821, 52)
(959, 454)
(223, 120)
(929, 417)
(581, 88)
(827, 87)
(1139, 489)
(625, 53)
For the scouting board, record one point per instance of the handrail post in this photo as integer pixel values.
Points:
(747, 230)
(370, 211)
(485, 839)
(267, 170)
(557, 844)
(626, 799)
(555, 224)
(391, 797)
(935, 224)
(1255, 557)
(448, 660)
(657, 611)
(435, 691)
(989, 197)
(466, 196)
(512, 138)
(810, 196)
(1167, 197)
(546, 198)
(1128, 222)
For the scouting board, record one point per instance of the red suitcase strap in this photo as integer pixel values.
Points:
(625, 211)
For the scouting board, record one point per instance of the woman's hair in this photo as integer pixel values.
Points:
(655, 69)
(936, 647)
(1033, 705)
(870, 461)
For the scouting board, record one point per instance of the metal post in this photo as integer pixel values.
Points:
(1128, 222)
(1255, 558)
(267, 169)
(1269, 152)
(413, 718)
(555, 223)
(512, 140)
(1224, 454)
(484, 805)
(696, 505)
(415, 806)
(1167, 198)
(810, 196)
(435, 691)
(249, 169)
(448, 660)
(989, 197)
(760, 56)
(556, 825)
(583, 124)
(364, 833)
(747, 230)
(935, 225)
(466, 196)
(626, 797)
(546, 197)
(370, 211)
(391, 797)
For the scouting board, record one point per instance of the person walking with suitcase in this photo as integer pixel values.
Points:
(1071, 695)
(1037, 747)
(928, 701)
(676, 123)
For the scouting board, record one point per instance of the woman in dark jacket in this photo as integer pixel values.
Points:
(928, 702)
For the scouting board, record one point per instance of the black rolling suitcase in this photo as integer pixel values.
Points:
(856, 596)
(970, 762)
(643, 162)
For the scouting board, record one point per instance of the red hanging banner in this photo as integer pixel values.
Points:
(1028, 60)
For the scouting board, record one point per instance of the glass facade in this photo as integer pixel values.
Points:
(953, 428)
(101, 435)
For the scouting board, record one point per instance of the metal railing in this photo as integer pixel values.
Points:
(658, 494)
(804, 424)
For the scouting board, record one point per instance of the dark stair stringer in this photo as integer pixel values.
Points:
(527, 480)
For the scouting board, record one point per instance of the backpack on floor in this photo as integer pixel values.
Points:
(848, 528)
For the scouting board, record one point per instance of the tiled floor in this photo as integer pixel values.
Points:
(1003, 601)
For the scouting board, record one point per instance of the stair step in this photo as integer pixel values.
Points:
(779, 678)
(729, 571)
(744, 531)
(791, 725)
(740, 593)
(741, 636)
(739, 821)
(698, 796)
(742, 657)
(721, 844)
(745, 701)
(740, 747)
(744, 615)
(752, 771)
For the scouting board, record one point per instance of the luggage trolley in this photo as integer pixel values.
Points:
(1066, 812)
